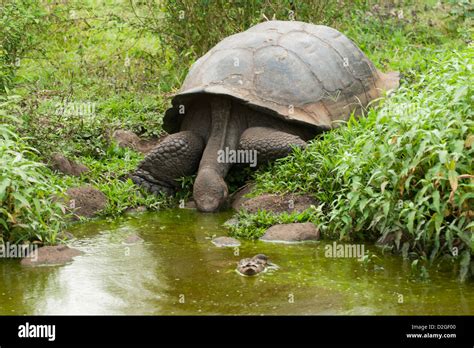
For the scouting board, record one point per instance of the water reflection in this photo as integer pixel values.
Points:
(110, 278)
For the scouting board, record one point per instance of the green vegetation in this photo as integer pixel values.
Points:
(20, 23)
(72, 73)
(27, 209)
(189, 28)
(253, 226)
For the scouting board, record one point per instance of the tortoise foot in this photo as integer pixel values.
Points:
(175, 156)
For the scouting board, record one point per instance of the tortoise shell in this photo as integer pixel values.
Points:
(296, 71)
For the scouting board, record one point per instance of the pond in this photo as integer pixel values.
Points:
(176, 270)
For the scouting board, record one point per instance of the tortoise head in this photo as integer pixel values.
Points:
(252, 266)
(210, 190)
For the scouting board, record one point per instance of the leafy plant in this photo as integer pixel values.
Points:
(28, 212)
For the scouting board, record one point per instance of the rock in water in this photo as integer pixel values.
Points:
(51, 255)
(222, 242)
(294, 232)
(133, 239)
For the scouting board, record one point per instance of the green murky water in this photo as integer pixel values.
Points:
(176, 270)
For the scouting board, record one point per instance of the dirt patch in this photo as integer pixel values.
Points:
(51, 255)
(85, 201)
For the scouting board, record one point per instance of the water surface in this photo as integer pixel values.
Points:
(177, 270)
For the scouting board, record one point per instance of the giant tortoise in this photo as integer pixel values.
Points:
(265, 90)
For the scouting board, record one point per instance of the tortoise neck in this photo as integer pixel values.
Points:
(227, 124)
(210, 190)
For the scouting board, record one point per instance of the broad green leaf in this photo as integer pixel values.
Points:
(410, 221)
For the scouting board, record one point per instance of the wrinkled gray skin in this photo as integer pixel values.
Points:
(214, 123)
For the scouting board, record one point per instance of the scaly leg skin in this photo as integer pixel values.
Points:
(269, 143)
(176, 156)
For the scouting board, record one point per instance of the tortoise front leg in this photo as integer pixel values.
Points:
(269, 143)
(176, 156)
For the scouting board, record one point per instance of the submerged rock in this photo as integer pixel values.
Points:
(51, 255)
(66, 166)
(222, 242)
(85, 201)
(276, 203)
(133, 239)
(294, 232)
